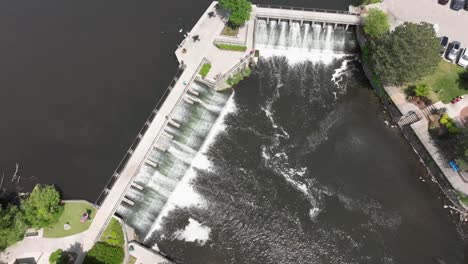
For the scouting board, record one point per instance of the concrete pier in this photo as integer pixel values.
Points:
(314, 15)
(137, 186)
(151, 163)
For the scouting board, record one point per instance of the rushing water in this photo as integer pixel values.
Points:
(303, 169)
(195, 115)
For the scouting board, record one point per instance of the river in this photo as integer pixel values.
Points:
(304, 169)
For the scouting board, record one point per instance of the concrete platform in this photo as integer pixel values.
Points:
(145, 255)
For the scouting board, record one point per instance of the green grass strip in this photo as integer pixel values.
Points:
(205, 69)
(231, 47)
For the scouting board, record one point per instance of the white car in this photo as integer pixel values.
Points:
(454, 51)
(463, 61)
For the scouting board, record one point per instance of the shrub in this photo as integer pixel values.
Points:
(205, 69)
(103, 253)
(12, 226)
(231, 47)
(376, 23)
(239, 11)
(58, 257)
(367, 2)
(449, 123)
(421, 90)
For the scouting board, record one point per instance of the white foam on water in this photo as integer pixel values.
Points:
(296, 55)
(314, 212)
(194, 231)
(184, 195)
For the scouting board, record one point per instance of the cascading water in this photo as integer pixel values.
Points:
(311, 37)
(182, 144)
(304, 170)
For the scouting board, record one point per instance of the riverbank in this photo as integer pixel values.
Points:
(417, 135)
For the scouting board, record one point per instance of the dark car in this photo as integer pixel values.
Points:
(443, 2)
(466, 5)
(457, 4)
(443, 44)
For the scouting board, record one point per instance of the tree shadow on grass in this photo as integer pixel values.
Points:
(463, 80)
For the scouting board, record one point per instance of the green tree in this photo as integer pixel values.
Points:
(239, 11)
(376, 23)
(12, 226)
(58, 257)
(408, 53)
(103, 253)
(421, 90)
(42, 207)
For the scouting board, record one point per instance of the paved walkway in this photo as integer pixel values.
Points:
(452, 24)
(41, 247)
(421, 130)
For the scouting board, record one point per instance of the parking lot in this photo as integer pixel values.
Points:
(450, 23)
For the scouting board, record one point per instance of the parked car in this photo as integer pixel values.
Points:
(457, 4)
(454, 51)
(466, 5)
(463, 61)
(443, 45)
(443, 2)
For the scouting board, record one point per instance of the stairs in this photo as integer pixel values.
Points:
(408, 119)
(429, 110)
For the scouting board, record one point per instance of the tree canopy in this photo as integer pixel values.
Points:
(239, 11)
(43, 206)
(376, 23)
(408, 53)
(12, 226)
(103, 253)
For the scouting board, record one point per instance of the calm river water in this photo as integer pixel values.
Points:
(298, 175)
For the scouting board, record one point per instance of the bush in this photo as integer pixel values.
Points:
(205, 69)
(12, 226)
(376, 23)
(103, 253)
(367, 2)
(58, 257)
(235, 79)
(231, 47)
(239, 11)
(42, 207)
(421, 90)
(449, 123)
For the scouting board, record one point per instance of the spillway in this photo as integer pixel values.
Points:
(168, 160)
(287, 35)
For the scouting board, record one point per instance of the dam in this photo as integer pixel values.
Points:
(164, 149)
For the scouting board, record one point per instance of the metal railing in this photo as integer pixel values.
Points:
(136, 141)
(305, 9)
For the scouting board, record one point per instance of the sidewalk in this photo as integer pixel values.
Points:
(420, 128)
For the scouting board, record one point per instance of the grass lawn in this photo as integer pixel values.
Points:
(113, 234)
(228, 31)
(205, 69)
(446, 83)
(71, 214)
